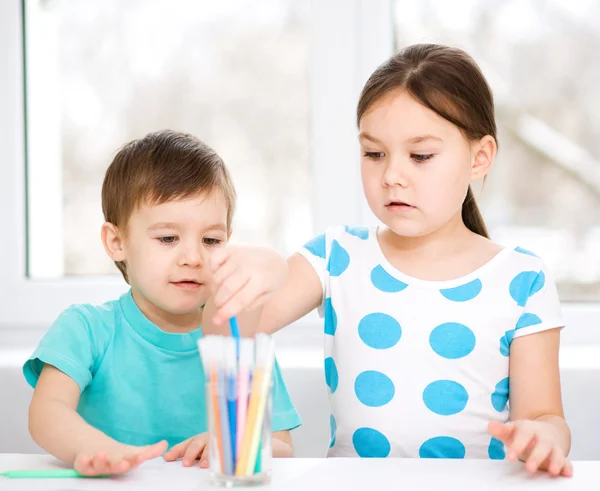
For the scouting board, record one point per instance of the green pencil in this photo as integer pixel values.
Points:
(43, 474)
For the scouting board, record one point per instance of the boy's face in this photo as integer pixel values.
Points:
(167, 247)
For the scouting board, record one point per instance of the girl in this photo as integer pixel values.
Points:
(438, 342)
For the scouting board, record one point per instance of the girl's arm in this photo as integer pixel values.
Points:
(537, 433)
(301, 293)
(56, 426)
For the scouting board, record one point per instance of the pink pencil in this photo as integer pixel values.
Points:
(246, 362)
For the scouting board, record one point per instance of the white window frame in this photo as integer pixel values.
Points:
(349, 38)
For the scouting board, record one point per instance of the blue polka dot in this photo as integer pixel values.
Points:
(360, 232)
(445, 397)
(452, 340)
(317, 246)
(463, 293)
(500, 395)
(526, 284)
(505, 342)
(379, 331)
(374, 389)
(442, 447)
(385, 282)
(370, 443)
(330, 318)
(338, 260)
(527, 320)
(525, 251)
(496, 450)
(333, 431)
(331, 374)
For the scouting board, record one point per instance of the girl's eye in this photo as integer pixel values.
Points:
(420, 157)
(170, 239)
(374, 155)
(212, 241)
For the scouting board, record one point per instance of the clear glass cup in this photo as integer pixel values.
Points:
(226, 467)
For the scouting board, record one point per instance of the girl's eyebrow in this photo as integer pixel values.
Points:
(422, 138)
(365, 136)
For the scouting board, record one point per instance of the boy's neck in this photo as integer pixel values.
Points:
(166, 321)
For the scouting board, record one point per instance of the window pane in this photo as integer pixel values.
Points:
(540, 58)
(233, 73)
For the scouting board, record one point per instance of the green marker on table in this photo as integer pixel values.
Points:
(44, 474)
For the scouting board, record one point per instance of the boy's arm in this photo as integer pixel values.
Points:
(56, 426)
(282, 444)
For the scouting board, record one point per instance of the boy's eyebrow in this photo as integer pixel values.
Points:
(217, 226)
(160, 225)
(422, 138)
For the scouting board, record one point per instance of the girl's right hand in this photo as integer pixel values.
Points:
(190, 450)
(118, 460)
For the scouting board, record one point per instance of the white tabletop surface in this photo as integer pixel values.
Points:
(319, 474)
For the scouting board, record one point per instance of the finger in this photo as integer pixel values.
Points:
(224, 271)
(83, 465)
(556, 462)
(177, 451)
(541, 451)
(204, 458)
(99, 463)
(567, 469)
(240, 301)
(232, 285)
(152, 451)
(219, 257)
(521, 440)
(193, 451)
(501, 431)
(119, 466)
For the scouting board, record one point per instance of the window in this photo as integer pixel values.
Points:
(539, 57)
(101, 73)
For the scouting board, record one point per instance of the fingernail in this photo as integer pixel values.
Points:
(204, 464)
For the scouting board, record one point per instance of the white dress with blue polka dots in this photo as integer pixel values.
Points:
(419, 368)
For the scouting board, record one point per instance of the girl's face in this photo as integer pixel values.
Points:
(416, 166)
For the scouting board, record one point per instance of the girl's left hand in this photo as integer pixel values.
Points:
(534, 442)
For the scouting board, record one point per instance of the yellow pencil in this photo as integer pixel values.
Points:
(258, 400)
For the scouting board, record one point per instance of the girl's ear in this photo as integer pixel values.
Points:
(112, 241)
(484, 153)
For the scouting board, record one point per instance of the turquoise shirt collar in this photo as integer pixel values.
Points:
(154, 334)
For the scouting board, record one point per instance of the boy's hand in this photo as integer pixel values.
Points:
(534, 442)
(243, 278)
(190, 450)
(118, 460)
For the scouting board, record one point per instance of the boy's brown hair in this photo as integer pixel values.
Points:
(162, 166)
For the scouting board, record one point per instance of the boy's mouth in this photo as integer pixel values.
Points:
(187, 284)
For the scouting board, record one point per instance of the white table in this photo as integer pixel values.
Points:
(320, 474)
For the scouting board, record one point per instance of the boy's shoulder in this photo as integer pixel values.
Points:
(106, 315)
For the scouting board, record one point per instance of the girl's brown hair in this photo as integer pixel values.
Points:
(447, 81)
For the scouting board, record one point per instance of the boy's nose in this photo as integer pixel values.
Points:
(193, 256)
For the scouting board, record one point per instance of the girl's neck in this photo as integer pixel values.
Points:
(450, 238)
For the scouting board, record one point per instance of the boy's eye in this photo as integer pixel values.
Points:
(170, 239)
(374, 155)
(421, 157)
(212, 241)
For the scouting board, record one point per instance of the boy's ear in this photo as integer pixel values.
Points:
(484, 152)
(112, 241)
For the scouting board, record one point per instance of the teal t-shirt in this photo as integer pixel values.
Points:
(139, 384)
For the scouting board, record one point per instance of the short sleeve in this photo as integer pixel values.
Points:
(285, 416)
(542, 310)
(68, 345)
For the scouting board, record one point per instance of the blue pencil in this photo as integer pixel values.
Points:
(225, 430)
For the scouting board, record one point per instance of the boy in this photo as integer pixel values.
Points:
(117, 384)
